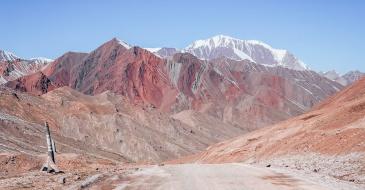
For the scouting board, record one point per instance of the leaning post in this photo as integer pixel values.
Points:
(51, 154)
(50, 165)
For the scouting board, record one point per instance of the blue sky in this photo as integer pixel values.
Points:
(324, 34)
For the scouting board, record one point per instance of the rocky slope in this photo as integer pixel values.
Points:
(13, 67)
(246, 94)
(105, 126)
(327, 140)
(7, 56)
(353, 76)
(239, 93)
(346, 79)
(334, 76)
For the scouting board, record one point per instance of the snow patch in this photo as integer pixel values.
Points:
(245, 49)
(41, 59)
(7, 56)
(242, 55)
(153, 50)
(124, 44)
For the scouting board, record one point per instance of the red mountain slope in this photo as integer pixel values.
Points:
(329, 139)
(239, 93)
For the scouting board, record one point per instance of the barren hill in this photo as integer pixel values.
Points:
(329, 140)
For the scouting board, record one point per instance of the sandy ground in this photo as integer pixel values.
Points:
(213, 176)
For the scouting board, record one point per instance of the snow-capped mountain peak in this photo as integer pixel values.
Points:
(278, 54)
(164, 52)
(40, 62)
(153, 50)
(332, 75)
(236, 49)
(13, 67)
(124, 44)
(7, 56)
(346, 79)
(253, 50)
(41, 59)
(215, 41)
(353, 76)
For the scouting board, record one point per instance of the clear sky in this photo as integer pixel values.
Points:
(324, 34)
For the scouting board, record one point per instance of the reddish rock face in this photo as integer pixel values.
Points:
(36, 84)
(56, 74)
(106, 125)
(328, 140)
(247, 94)
(189, 75)
(16, 68)
(135, 73)
(336, 127)
(63, 69)
(240, 93)
(132, 72)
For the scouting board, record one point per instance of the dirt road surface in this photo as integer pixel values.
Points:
(207, 177)
(228, 176)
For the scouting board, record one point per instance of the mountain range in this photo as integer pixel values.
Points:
(208, 49)
(13, 67)
(345, 79)
(218, 100)
(236, 49)
(240, 93)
